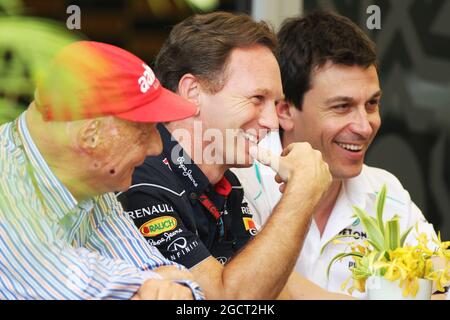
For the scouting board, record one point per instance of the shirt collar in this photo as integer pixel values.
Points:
(194, 180)
(354, 192)
(358, 190)
(57, 198)
(272, 142)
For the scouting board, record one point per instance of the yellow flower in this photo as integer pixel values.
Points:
(441, 277)
(385, 254)
(410, 285)
(358, 284)
(393, 272)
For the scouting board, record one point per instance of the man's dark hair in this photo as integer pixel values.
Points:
(308, 43)
(201, 45)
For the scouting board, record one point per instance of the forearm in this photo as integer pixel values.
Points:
(272, 254)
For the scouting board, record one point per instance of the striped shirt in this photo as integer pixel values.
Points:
(54, 247)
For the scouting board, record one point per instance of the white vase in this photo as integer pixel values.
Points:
(379, 288)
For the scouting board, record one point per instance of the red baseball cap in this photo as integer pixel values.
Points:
(89, 79)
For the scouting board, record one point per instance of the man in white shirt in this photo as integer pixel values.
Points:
(332, 100)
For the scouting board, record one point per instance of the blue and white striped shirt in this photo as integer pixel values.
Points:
(53, 247)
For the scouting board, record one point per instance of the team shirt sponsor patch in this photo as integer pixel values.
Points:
(149, 211)
(249, 224)
(181, 247)
(158, 226)
(222, 260)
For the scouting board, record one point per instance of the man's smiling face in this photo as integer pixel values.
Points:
(340, 116)
(245, 104)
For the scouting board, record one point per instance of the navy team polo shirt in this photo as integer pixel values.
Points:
(168, 202)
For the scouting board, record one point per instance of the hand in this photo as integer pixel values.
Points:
(161, 289)
(299, 165)
(166, 288)
(173, 273)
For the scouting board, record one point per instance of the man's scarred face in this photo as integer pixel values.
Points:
(124, 146)
(340, 116)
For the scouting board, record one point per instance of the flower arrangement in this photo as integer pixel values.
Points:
(385, 254)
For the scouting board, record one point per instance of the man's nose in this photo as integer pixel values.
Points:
(268, 117)
(361, 124)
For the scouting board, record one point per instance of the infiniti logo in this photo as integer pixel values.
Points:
(177, 244)
(222, 260)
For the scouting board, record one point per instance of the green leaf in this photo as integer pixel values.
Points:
(392, 234)
(380, 207)
(380, 255)
(372, 229)
(371, 243)
(405, 235)
(341, 256)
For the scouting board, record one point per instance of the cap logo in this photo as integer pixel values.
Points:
(147, 78)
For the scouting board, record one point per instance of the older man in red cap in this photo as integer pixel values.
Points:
(63, 235)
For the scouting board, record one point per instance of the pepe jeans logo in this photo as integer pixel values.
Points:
(186, 172)
(157, 226)
(166, 237)
(147, 79)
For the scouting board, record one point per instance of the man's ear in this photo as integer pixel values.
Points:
(88, 135)
(285, 116)
(189, 88)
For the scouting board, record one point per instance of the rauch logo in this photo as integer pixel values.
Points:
(157, 226)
